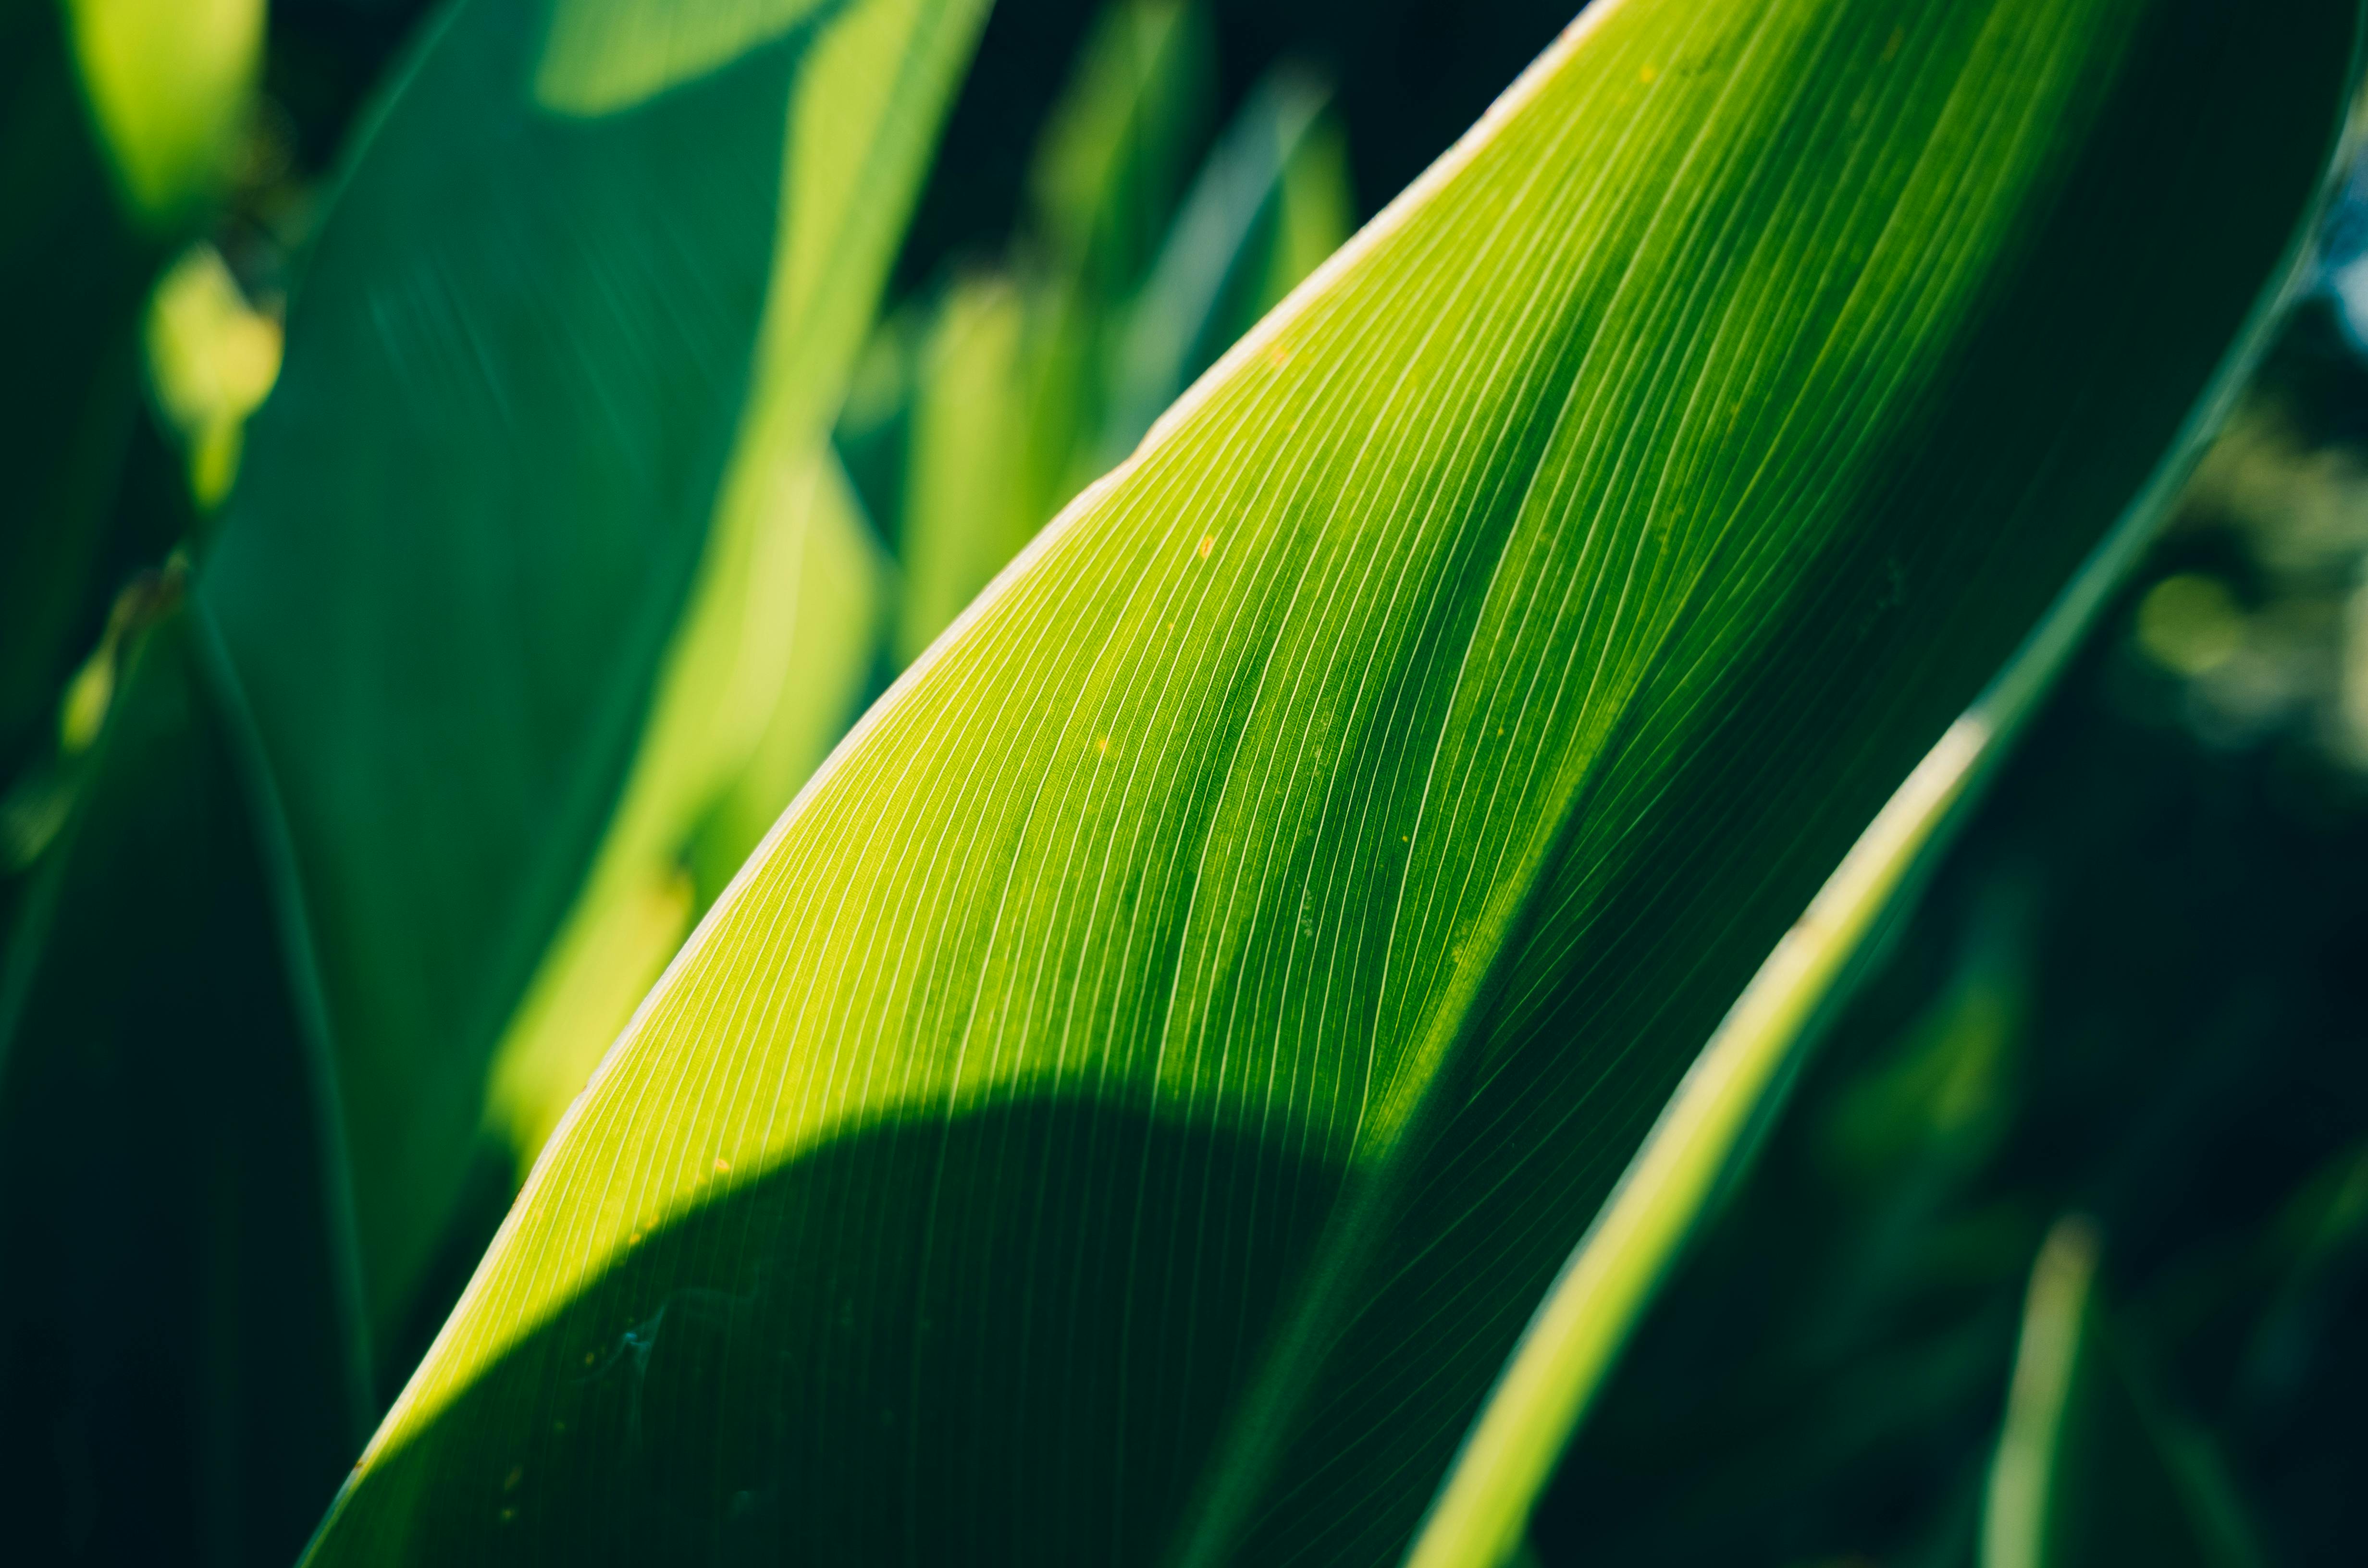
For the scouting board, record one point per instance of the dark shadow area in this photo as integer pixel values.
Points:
(174, 1385)
(75, 274)
(1011, 1339)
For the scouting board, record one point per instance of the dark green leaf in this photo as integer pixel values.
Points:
(72, 276)
(184, 1370)
(470, 516)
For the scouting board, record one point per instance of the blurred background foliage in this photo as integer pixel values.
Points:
(2120, 1041)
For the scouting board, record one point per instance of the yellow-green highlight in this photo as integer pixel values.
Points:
(601, 56)
(2014, 1517)
(212, 360)
(772, 648)
(167, 83)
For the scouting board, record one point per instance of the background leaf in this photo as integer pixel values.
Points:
(168, 82)
(188, 1366)
(775, 646)
(1130, 1107)
(1028, 380)
(2088, 1470)
(72, 277)
(517, 369)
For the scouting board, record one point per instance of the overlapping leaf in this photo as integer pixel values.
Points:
(1130, 1107)
(467, 531)
(504, 502)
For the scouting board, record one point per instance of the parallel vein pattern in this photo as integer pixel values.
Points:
(1128, 1108)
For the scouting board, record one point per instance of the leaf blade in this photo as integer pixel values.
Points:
(1236, 857)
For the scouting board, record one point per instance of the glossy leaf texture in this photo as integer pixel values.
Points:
(555, 296)
(1129, 1108)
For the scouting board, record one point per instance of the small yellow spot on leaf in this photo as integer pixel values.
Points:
(516, 1475)
(1277, 355)
(634, 1240)
(1207, 543)
(1102, 746)
(1648, 73)
(723, 1165)
(507, 1514)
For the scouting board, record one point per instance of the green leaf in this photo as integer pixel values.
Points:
(72, 276)
(1011, 376)
(776, 648)
(970, 504)
(1270, 204)
(167, 83)
(557, 319)
(1115, 152)
(2089, 1468)
(1129, 1108)
(184, 1367)
(212, 360)
(1028, 383)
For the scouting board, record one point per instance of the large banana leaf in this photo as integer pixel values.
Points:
(469, 521)
(1128, 1109)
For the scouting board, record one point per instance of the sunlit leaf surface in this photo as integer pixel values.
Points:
(1130, 1106)
(211, 359)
